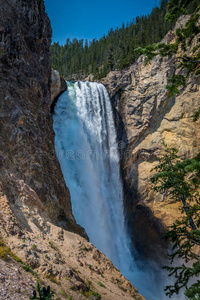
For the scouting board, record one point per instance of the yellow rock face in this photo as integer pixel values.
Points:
(148, 115)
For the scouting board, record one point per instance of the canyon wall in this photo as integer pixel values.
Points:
(145, 114)
(30, 173)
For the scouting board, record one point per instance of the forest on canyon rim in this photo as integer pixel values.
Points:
(114, 51)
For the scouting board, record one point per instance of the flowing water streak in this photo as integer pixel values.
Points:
(86, 147)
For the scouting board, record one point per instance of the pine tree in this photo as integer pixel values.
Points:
(181, 181)
(75, 57)
(43, 293)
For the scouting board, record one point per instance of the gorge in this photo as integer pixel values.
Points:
(42, 201)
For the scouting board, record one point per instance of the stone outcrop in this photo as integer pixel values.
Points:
(58, 86)
(67, 262)
(145, 114)
(30, 172)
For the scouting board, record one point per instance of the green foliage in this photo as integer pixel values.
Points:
(176, 9)
(101, 284)
(63, 293)
(152, 50)
(196, 115)
(85, 248)
(149, 51)
(196, 48)
(5, 252)
(97, 295)
(197, 72)
(34, 247)
(194, 292)
(53, 246)
(174, 82)
(43, 293)
(181, 180)
(115, 51)
(67, 278)
(46, 256)
(26, 268)
(88, 292)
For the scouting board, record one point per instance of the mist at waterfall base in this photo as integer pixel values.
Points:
(85, 142)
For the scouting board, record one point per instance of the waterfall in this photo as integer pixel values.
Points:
(85, 141)
(86, 146)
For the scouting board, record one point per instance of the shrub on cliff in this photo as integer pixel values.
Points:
(43, 293)
(181, 181)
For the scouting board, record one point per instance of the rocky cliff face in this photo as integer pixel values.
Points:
(145, 114)
(30, 171)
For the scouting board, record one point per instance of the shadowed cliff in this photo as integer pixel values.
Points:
(30, 171)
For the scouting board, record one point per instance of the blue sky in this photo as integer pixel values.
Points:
(88, 19)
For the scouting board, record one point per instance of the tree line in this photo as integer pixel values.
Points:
(114, 51)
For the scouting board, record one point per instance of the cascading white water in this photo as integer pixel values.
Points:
(85, 141)
(86, 147)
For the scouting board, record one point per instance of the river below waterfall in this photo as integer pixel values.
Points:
(85, 141)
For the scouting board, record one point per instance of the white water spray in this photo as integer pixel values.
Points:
(86, 147)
